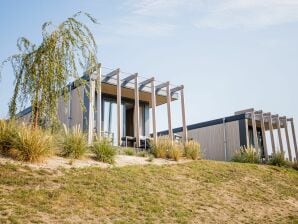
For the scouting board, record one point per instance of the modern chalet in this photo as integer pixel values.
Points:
(221, 138)
(117, 105)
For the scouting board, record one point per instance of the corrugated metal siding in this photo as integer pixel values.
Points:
(233, 138)
(76, 107)
(211, 139)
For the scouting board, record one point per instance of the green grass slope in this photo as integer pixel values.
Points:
(194, 192)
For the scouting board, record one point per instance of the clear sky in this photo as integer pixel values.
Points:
(229, 54)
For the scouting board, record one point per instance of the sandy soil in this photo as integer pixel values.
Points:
(56, 162)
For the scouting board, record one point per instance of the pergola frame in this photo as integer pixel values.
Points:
(95, 80)
(279, 122)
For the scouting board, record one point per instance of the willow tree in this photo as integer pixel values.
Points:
(43, 71)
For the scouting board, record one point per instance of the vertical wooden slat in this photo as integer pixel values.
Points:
(294, 138)
(287, 138)
(153, 102)
(279, 134)
(119, 126)
(91, 111)
(99, 115)
(264, 136)
(185, 137)
(271, 133)
(169, 112)
(137, 112)
(254, 128)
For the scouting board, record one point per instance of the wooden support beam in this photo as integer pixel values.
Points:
(260, 113)
(250, 110)
(161, 86)
(285, 122)
(176, 89)
(169, 99)
(136, 111)
(119, 119)
(276, 117)
(126, 80)
(99, 103)
(185, 135)
(111, 74)
(153, 105)
(294, 138)
(145, 82)
(91, 110)
(254, 128)
(269, 117)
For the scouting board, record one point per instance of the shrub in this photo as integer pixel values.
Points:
(8, 131)
(161, 147)
(23, 143)
(74, 143)
(174, 152)
(129, 151)
(31, 144)
(104, 151)
(278, 159)
(142, 154)
(165, 148)
(192, 150)
(246, 155)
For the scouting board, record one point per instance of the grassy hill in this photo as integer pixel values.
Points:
(194, 192)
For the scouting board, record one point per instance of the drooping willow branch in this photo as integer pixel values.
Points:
(42, 72)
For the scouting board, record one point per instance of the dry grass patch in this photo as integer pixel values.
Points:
(194, 192)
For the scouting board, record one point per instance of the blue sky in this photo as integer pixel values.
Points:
(229, 54)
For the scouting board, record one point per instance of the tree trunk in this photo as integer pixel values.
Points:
(35, 117)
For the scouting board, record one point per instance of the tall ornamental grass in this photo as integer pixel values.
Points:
(73, 143)
(246, 155)
(104, 151)
(192, 150)
(24, 143)
(165, 148)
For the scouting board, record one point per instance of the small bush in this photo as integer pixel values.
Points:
(142, 154)
(278, 159)
(104, 151)
(8, 132)
(74, 143)
(161, 147)
(129, 151)
(246, 155)
(174, 152)
(165, 148)
(192, 150)
(24, 143)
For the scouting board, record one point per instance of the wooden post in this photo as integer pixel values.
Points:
(294, 138)
(169, 112)
(185, 135)
(137, 112)
(264, 135)
(91, 110)
(254, 128)
(271, 132)
(279, 134)
(153, 102)
(287, 137)
(98, 119)
(119, 126)
(246, 131)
